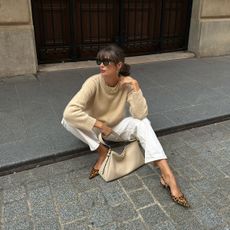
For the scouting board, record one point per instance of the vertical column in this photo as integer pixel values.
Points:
(210, 28)
(17, 44)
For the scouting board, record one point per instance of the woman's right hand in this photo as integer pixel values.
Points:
(133, 83)
(104, 129)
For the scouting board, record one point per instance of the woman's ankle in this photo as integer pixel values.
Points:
(99, 162)
(170, 180)
(102, 150)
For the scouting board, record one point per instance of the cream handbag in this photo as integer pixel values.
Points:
(117, 165)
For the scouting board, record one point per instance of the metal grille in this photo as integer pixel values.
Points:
(70, 30)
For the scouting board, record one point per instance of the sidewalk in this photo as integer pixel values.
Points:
(180, 94)
(61, 197)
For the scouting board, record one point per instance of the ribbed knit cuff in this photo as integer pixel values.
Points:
(90, 122)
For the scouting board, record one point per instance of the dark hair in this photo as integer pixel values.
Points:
(116, 55)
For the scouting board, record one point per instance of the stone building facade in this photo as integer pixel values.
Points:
(209, 34)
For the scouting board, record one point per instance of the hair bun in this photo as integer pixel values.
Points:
(125, 70)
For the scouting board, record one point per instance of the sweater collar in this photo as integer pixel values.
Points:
(109, 89)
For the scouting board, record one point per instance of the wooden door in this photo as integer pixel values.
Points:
(70, 30)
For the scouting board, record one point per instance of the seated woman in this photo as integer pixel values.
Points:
(100, 106)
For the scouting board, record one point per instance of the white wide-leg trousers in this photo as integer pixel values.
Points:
(128, 129)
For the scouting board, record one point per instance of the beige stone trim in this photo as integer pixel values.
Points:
(215, 38)
(215, 9)
(195, 27)
(213, 19)
(17, 51)
(14, 12)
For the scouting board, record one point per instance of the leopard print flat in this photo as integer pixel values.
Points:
(181, 200)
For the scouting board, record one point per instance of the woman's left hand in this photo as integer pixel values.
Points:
(133, 83)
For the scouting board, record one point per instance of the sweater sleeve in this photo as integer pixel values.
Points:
(74, 112)
(137, 104)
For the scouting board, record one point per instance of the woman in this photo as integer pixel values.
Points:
(100, 106)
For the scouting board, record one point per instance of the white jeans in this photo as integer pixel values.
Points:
(128, 129)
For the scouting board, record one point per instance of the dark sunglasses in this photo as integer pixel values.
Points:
(105, 62)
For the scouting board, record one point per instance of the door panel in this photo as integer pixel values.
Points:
(70, 30)
(97, 25)
(142, 25)
(174, 25)
(52, 30)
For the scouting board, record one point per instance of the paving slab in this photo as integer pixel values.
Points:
(60, 195)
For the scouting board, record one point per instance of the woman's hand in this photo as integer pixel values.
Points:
(104, 129)
(133, 83)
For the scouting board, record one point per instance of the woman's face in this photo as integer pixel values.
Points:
(108, 68)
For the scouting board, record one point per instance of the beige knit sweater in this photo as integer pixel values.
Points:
(98, 101)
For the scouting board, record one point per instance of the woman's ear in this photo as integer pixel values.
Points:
(119, 65)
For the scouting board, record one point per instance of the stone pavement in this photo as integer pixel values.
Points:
(60, 196)
(179, 93)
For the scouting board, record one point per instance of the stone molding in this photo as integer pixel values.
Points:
(17, 48)
(17, 42)
(215, 9)
(15, 12)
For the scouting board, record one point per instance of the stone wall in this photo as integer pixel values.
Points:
(210, 28)
(17, 46)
